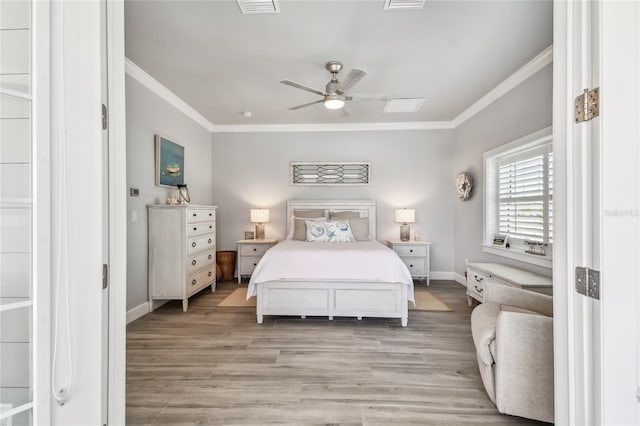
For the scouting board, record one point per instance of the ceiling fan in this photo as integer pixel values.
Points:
(335, 94)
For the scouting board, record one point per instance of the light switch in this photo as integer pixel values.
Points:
(134, 216)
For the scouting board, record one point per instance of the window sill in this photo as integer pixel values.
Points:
(545, 261)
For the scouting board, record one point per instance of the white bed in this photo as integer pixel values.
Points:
(366, 279)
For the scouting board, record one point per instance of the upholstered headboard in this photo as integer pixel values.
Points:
(366, 208)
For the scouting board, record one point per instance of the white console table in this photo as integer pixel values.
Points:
(480, 273)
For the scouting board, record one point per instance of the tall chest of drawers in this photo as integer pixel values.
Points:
(182, 251)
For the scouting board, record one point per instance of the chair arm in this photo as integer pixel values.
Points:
(506, 295)
(524, 365)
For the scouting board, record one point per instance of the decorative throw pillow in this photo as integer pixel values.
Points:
(344, 215)
(316, 231)
(339, 231)
(298, 228)
(360, 228)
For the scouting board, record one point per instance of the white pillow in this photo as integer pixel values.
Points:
(339, 231)
(316, 231)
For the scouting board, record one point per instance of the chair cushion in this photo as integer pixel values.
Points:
(483, 329)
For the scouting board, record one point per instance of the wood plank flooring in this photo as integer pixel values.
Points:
(215, 365)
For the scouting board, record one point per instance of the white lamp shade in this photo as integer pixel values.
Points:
(405, 215)
(260, 215)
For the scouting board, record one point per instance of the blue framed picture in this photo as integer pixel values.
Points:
(169, 162)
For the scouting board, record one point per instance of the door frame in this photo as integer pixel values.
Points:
(117, 213)
(610, 369)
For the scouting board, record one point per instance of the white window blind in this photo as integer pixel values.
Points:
(525, 190)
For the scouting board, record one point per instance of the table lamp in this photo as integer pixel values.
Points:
(259, 217)
(405, 216)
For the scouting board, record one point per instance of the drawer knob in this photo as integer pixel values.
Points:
(255, 249)
(478, 279)
(193, 282)
(410, 266)
(194, 214)
(479, 290)
(410, 250)
(209, 240)
(210, 214)
(193, 262)
(210, 226)
(255, 264)
(209, 273)
(195, 229)
(193, 244)
(209, 256)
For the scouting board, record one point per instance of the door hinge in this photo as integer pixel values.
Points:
(587, 282)
(105, 276)
(587, 105)
(105, 120)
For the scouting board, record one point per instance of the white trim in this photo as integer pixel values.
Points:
(41, 214)
(137, 312)
(117, 213)
(442, 275)
(563, 387)
(459, 278)
(543, 59)
(545, 261)
(156, 87)
(333, 127)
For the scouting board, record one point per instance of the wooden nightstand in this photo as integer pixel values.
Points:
(415, 254)
(249, 254)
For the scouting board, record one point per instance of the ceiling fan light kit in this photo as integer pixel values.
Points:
(335, 95)
(334, 101)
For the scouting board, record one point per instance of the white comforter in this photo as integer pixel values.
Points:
(362, 260)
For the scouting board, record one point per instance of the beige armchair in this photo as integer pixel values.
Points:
(513, 335)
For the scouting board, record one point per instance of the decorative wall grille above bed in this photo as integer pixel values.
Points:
(335, 173)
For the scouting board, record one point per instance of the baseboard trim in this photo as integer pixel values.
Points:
(459, 278)
(137, 312)
(441, 275)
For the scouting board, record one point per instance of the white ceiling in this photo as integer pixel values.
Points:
(222, 63)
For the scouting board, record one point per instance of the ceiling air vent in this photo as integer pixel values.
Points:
(250, 7)
(403, 4)
(403, 105)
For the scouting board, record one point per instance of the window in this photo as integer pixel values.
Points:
(519, 198)
(330, 173)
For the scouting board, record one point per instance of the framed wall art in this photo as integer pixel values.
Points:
(169, 162)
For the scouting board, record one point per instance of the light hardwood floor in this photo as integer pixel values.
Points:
(215, 365)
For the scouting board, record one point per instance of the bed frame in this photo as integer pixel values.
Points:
(351, 298)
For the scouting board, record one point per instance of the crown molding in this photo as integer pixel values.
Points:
(333, 127)
(140, 75)
(543, 59)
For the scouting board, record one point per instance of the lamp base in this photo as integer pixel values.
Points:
(405, 232)
(260, 231)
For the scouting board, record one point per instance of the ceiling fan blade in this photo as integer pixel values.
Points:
(306, 105)
(354, 76)
(344, 112)
(302, 86)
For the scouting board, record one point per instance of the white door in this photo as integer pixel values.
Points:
(620, 212)
(596, 44)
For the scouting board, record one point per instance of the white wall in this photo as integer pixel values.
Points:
(523, 110)
(409, 169)
(147, 115)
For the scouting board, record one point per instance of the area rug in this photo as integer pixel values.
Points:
(425, 301)
(238, 299)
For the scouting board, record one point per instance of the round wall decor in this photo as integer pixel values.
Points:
(464, 184)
